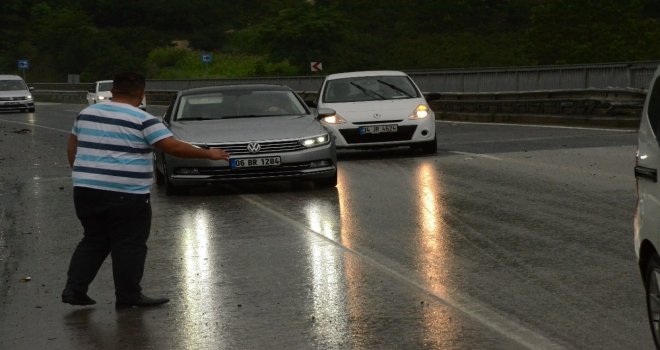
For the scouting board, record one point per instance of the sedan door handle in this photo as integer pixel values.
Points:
(646, 173)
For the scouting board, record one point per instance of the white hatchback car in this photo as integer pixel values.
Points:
(101, 92)
(647, 214)
(377, 109)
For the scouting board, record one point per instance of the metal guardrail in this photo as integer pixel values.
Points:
(607, 94)
(634, 75)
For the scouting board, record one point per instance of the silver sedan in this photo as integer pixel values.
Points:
(268, 131)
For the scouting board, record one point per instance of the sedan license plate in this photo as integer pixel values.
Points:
(254, 162)
(378, 129)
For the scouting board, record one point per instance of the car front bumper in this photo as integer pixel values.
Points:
(408, 133)
(16, 105)
(310, 164)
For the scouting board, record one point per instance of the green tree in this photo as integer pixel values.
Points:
(565, 31)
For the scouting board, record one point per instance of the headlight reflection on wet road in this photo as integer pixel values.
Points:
(432, 261)
(327, 274)
(198, 272)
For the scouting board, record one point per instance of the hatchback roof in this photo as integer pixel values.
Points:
(369, 73)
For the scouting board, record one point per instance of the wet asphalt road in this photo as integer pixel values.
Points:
(511, 237)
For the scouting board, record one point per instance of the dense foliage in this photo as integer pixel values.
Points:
(166, 38)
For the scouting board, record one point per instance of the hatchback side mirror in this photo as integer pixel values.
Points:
(324, 112)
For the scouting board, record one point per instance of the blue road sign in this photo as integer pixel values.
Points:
(207, 58)
(23, 64)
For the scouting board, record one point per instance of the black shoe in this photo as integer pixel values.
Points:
(142, 301)
(76, 298)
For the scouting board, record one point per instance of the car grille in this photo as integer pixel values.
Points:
(291, 169)
(405, 132)
(379, 122)
(12, 98)
(266, 147)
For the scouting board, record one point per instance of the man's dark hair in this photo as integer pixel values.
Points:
(128, 84)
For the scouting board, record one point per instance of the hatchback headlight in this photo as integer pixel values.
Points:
(315, 141)
(421, 112)
(101, 98)
(334, 119)
(28, 97)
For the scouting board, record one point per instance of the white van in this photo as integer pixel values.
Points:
(15, 94)
(100, 92)
(647, 213)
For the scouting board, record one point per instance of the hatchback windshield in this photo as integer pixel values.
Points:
(12, 85)
(369, 89)
(239, 104)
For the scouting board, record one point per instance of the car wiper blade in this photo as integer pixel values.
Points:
(197, 118)
(368, 91)
(394, 87)
(240, 116)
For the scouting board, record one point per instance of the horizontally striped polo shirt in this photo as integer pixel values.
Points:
(115, 147)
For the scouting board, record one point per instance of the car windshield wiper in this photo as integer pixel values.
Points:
(394, 87)
(368, 91)
(197, 118)
(252, 116)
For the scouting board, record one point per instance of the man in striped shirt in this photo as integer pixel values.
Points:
(110, 151)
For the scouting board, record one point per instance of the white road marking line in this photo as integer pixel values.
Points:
(478, 155)
(34, 125)
(474, 309)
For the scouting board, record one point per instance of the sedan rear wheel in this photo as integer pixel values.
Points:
(652, 278)
(159, 177)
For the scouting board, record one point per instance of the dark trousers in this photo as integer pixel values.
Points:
(114, 223)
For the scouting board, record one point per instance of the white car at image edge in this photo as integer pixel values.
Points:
(647, 212)
(377, 109)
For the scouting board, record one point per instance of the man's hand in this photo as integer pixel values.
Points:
(185, 150)
(218, 154)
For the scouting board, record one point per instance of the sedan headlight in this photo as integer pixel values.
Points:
(315, 141)
(28, 97)
(334, 119)
(101, 98)
(421, 112)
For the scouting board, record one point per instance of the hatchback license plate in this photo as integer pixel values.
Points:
(255, 162)
(378, 129)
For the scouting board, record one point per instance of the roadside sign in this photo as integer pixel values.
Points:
(316, 66)
(207, 57)
(23, 64)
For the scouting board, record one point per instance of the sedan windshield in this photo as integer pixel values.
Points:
(239, 104)
(369, 89)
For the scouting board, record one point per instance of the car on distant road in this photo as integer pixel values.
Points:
(15, 94)
(101, 92)
(377, 109)
(647, 212)
(268, 131)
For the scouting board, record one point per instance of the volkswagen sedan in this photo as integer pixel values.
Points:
(268, 130)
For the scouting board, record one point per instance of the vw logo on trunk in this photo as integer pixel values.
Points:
(253, 147)
(377, 115)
